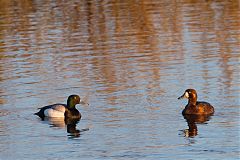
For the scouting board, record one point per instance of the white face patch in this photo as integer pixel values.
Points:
(186, 95)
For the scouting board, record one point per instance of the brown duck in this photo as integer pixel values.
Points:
(195, 107)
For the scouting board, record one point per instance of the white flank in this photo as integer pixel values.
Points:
(59, 108)
(53, 113)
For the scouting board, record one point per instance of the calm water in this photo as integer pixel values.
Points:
(129, 60)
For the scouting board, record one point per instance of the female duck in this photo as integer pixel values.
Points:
(62, 110)
(195, 107)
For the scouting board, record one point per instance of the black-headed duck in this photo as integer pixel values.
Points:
(195, 107)
(62, 110)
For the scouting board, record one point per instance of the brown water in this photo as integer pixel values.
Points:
(129, 60)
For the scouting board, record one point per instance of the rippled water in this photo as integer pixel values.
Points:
(129, 60)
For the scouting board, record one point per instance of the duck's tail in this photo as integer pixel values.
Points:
(39, 114)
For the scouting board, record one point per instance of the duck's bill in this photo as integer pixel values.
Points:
(181, 97)
(84, 103)
(185, 95)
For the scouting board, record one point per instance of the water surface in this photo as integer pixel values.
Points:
(129, 60)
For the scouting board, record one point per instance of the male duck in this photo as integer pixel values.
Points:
(195, 107)
(62, 110)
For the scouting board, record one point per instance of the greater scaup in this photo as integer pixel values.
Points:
(194, 106)
(62, 110)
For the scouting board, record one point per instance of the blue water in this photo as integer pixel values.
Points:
(130, 61)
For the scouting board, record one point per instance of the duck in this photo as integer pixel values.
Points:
(195, 107)
(61, 110)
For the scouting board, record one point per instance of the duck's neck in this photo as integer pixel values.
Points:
(71, 105)
(192, 100)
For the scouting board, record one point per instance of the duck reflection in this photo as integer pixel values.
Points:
(192, 121)
(68, 123)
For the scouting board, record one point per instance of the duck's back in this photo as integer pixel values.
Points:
(205, 107)
(55, 110)
(200, 108)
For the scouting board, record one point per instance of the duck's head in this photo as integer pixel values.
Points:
(73, 100)
(190, 94)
